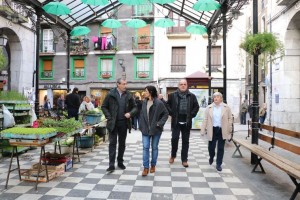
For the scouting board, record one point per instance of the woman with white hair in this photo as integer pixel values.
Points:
(217, 124)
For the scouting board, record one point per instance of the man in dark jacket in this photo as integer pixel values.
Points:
(118, 107)
(183, 107)
(73, 103)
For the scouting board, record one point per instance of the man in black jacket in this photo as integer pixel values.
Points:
(73, 103)
(118, 107)
(183, 107)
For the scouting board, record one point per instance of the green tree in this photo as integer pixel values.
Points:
(2, 60)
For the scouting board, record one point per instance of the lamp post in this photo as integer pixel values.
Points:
(254, 138)
(121, 63)
(3, 40)
(209, 65)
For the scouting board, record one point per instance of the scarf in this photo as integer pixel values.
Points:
(182, 102)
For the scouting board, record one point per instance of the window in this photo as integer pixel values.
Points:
(180, 24)
(47, 40)
(263, 24)
(143, 67)
(178, 59)
(215, 58)
(46, 68)
(106, 67)
(78, 68)
(144, 9)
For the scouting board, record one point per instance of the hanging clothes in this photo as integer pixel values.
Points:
(103, 43)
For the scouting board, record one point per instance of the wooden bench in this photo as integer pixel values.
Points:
(286, 165)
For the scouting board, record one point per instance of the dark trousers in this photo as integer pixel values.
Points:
(217, 137)
(185, 136)
(73, 112)
(243, 118)
(120, 131)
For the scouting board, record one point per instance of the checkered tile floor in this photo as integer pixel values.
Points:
(89, 180)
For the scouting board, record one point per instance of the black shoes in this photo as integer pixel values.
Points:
(121, 166)
(210, 161)
(219, 168)
(110, 169)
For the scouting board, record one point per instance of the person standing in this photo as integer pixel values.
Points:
(73, 103)
(86, 105)
(244, 109)
(60, 105)
(136, 118)
(153, 117)
(218, 125)
(183, 107)
(118, 107)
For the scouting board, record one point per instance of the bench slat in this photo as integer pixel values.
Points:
(287, 132)
(260, 151)
(280, 143)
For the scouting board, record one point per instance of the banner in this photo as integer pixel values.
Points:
(202, 97)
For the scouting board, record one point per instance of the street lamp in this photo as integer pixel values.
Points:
(121, 63)
(236, 13)
(3, 40)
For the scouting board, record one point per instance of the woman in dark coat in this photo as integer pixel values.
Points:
(153, 117)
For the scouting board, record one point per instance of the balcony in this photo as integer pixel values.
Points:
(143, 44)
(110, 47)
(178, 68)
(143, 74)
(78, 73)
(79, 46)
(106, 74)
(13, 11)
(47, 48)
(47, 74)
(177, 32)
(144, 12)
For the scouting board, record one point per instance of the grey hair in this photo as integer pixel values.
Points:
(218, 94)
(120, 79)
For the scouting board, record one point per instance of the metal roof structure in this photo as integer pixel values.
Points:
(82, 13)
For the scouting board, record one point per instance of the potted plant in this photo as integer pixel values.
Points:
(144, 39)
(105, 74)
(143, 75)
(260, 43)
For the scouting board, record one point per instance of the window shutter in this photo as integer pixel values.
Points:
(79, 63)
(47, 65)
(105, 31)
(144, 31)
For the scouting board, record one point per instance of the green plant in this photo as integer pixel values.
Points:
(144, 36)
(2, 60)
(12, 95)
(260, 43)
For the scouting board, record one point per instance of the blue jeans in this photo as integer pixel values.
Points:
(146, 146)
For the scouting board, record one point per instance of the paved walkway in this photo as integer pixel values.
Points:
(89, 180)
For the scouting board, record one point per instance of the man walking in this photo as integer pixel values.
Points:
(118, 107)
(73, 103)
(218, 124)
(244, 109)
(183, 107)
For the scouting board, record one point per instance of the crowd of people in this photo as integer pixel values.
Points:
(123, 112)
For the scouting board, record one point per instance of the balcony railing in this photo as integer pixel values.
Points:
(178, 68)
(13, 11)
(143, 74)
(176, 30)
(79, 45)
(78, 73)
(109, 45)
(48, 46)
(47, 74)
(142, 42)
(145, 10)
(106, 74)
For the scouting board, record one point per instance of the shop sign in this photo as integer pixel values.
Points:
(52, 86)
